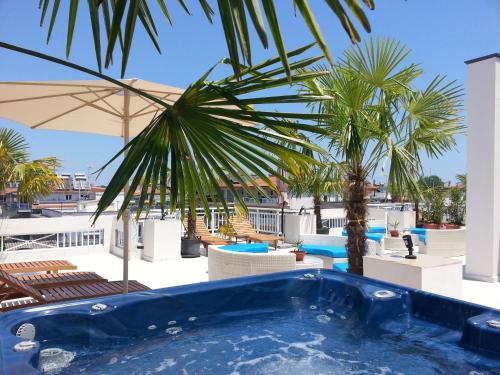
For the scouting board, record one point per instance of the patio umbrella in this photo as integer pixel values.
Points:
(88, 106)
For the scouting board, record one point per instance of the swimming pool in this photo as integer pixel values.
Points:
(313, 322)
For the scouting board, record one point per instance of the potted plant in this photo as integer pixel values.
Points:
(299, 254)
(190, 243)
(456, 209)
(394, 231)
(435, 208)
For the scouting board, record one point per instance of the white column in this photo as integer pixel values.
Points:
(483, 168)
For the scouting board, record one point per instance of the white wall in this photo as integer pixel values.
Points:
(14, 227)
(406, 219)
(483, 169)
(134, 252)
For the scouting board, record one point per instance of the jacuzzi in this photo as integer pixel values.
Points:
(299, 322)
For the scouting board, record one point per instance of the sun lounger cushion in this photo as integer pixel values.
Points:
(418, 230)
(324, 250)
(342, 267)
(421, 234)
(377, 237)
(377, 230)
(247, 248)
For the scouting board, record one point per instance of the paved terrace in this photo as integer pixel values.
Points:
(188, 271)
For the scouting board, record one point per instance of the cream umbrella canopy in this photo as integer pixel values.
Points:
(87, 106)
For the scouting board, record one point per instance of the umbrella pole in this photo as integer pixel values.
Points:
(126, 214)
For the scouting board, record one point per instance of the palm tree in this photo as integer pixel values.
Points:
(380, 120)
(35, 178)
(120, 17)
(211, 134)
(316, 181)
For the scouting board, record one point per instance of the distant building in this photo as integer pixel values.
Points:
(75, 188)
(272, 198)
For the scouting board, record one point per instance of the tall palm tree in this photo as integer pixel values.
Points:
(35, 178)
(381, 120)
(119, 19)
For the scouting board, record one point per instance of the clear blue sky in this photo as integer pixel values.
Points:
(442, 34)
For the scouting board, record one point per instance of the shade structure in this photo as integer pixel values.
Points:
(93, 106)
(86, 106)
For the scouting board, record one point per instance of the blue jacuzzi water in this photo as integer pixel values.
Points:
(300, 322)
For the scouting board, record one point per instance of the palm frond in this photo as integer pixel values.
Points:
(120, 22)
(209, 136)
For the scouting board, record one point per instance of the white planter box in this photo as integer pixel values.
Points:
(295, 225)
(162, 240)
(430, 273)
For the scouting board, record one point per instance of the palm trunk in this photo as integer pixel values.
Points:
(191, 225)
(417, 211)
(356, 208)
(317, 212)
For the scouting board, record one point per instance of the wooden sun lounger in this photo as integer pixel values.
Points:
(52, 280)
(58, 294)
(49, 266)
(244, 229)
(204, 234)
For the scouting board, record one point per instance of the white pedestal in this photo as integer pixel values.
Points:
(397, 243)
(299, 224)
(162, 240)
(309, 262)
(430, 273)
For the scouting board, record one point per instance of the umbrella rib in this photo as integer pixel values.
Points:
(90, 104)
(151, 104)
(107, 103)
(147, 113)
(66, 112)
(48, 96)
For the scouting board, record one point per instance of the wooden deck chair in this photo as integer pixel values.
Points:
(58, 294)
(49, 266)
(204, 234)
(52, 280)
(244, 229)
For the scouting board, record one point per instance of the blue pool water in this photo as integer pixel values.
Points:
(286, 323)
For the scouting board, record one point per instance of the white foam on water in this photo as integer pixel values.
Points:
(53, 362)
(152, 327)
(323, 318)
(172, 322)
(330, 311)
(173, 330)
(112, 361)
(313, 307)
(165, 364)
(192, 318)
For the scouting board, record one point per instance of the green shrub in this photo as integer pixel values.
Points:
(456, 208)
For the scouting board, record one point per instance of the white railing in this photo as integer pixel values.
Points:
(264, 220)
(90, 237)
(392, 206)
(335, 222)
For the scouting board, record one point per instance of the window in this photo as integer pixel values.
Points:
(118, 238)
